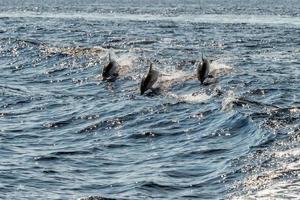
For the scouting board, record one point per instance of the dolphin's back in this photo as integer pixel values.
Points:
(149, 80)
(153, 76)
(110, 70)
(203, 70)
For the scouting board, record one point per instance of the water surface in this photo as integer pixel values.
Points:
(66, 134)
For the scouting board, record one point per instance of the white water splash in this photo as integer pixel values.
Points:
(228, 101)
(174, 75)
(217, 68)
(215, 65)
(295, 110)
(126, 60)
(127, 63)
(167, 79)
(191, 98)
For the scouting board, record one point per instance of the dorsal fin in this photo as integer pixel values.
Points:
(150, 67)
(109, 56)
(202, 57)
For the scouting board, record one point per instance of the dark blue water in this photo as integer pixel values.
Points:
(66, 134)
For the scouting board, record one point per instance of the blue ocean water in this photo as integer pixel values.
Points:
(66, 134)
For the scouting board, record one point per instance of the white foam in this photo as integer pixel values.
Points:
(191, 98)
(216, 65)
(204, 18)
(295, 110)
(174, 76)
(217, 68)
(167, 79)
(228, 100)
(126, 60)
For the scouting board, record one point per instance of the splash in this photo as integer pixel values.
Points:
(127, 63)
(295, 110)
(219, 69)
(191, 98)
(215, 65)
(167, 79)
(126, 59)
(228, 100)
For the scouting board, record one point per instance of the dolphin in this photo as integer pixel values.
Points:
(203, 69)
(110, 71)
(149, 80)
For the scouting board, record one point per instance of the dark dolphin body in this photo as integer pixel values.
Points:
(149, 80)
(110, 71)
(203, 70)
